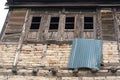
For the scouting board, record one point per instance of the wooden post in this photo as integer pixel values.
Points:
(117, 29)
(99, 26)
(43, 58)
(61, 28)
(20, 41)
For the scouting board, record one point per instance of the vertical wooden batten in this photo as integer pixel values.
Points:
(98, 25)
(46, 25)
(78, 26)
(94, 26)
(21, 40)
(61, 27)
(117, 30)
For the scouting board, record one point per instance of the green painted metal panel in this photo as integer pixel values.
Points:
(86, 53)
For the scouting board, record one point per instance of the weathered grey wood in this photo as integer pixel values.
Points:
(94, 26)
(41, 32)
(62, 5)
(14, 25)
(28, 26)
(32, 35)
(20, 41)
(5, 26)
(88, 33)
(13, 30)
(117, 30)
(78, 26)
(52, 35)
(46, 25)
(10, 39)
(43, 58)
(108, 27)
(8, 43)
(61, 27)
(68, 35)
(82, 25)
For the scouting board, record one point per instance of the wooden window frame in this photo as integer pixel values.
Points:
(32, 30)
(54, 30)
(70, 15)
(90, 30)
(94, 23)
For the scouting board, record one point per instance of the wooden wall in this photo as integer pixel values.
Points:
(14, 25)
(104, 25)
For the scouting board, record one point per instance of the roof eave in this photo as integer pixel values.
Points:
(68, 4)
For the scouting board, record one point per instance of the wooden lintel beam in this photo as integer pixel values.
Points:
(62, 5)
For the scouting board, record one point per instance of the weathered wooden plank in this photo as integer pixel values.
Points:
(32, 35)
(17, 17)
(10, 39)
(47, 27)
(61, 27)
(21, 39)
(73, 4)
(52, 35)
(98, 25)
(41, 32)
(108, 28)
(82, 26)
(13, 31)
(105, 37)
(94, 26)
(14, 25)
(88, 35)
(108, 31)
(16, 20)
(68, 36)
(29, 22)
(12, 34)
(77, 26)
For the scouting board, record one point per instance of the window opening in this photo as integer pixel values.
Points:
(69, 23)
(88, 22)
(35, 23)
(54, 23)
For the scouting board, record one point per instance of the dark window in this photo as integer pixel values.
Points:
(54, 23)
(69, 23)
(88, 22)
(35, 23)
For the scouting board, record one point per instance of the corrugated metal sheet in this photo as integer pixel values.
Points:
(86, 53)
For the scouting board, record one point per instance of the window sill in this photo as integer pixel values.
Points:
(88, 30)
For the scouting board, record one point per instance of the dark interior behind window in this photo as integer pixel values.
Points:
(88, 22)
(35, 23)
(69, 23)
(54, 23)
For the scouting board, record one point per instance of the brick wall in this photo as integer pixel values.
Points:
(53, 55)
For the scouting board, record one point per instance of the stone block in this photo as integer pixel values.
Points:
(87, 78)
(111, 77)
(38, 48)
(51, 62)
(66, 78)
(1, 77)
(99, 78)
